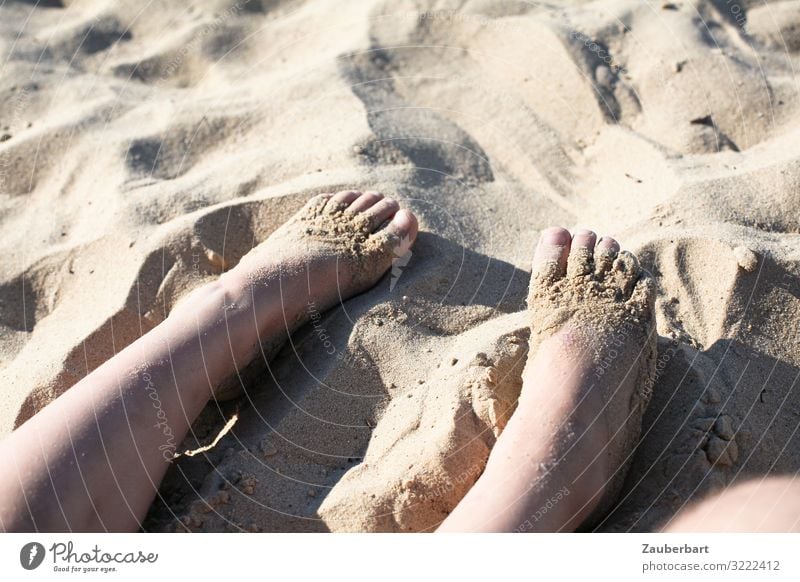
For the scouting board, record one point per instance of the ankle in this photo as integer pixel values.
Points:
(273, 300)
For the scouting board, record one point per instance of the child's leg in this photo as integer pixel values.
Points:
(93, 458)
(563, 455)
(761, 505)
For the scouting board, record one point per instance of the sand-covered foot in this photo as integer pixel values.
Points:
(562, 459)
(336, 246)
(592, 308)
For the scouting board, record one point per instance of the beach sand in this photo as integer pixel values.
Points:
(146, 147)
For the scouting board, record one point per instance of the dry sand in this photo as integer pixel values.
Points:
(147, 146)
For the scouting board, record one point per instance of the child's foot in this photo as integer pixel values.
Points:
(336, 246)
(563, 457)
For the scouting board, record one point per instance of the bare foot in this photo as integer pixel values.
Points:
(562, 459)
(100, 472)
(336, 246)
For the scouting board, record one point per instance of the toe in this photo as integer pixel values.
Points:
(550, 258)
(364, 201)
(402, 230)
(604, 254)
(581, 254)
(644, 294)
(317, 203)
(626, 271)
(342, 200)
(380, 212)
(627, 262)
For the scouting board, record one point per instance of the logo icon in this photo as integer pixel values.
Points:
(31, 555)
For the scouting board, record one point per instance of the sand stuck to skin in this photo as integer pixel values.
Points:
(145, 148)
(602, 306)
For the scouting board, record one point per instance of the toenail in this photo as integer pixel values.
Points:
(583, 232)
(607, 242)
(555, 237)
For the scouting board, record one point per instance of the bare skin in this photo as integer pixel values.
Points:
(769, 505)
(564, 452)
(560, 462)
(92, 460)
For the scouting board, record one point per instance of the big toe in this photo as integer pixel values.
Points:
(402, 228)
(550, 258)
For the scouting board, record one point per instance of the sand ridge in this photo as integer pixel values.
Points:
(145, 161)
